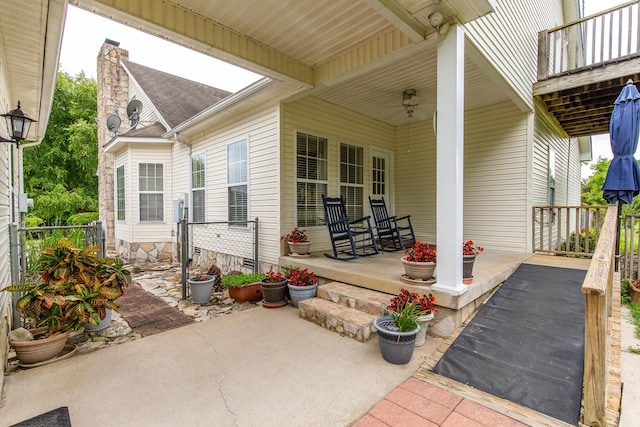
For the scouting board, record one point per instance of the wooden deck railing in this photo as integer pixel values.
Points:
(566, 230)
(605, 37)
(598, 290)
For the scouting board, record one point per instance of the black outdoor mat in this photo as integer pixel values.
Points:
(58, 417)
(526, 344)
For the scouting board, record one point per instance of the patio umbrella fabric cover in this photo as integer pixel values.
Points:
(623, 177)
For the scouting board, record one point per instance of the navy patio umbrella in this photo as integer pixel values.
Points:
(623, 177)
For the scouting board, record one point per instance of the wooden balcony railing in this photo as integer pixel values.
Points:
(605, 37)
(598, 290)
(567, 230)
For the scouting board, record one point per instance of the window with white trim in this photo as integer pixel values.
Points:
(120, 199)
(351, 178)
(151, 188)
(311, 179)
(237, 180)
(197, 187)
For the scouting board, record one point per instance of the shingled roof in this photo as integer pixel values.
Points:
(176, 99)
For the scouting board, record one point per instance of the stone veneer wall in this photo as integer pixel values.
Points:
(225, 262)
(144, 252)
(113, 97)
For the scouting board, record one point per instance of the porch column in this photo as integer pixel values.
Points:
(450, 147)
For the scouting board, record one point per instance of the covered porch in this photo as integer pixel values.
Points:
(383, 273)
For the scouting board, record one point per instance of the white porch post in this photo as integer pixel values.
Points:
(450, 147)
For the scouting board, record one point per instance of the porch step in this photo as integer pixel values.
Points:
(345, 309)
(361, 299)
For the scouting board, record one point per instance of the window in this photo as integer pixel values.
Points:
(237, 172)
(151, 187)
(120, 193)
(311, 179)
(351, 172)
(197, 187)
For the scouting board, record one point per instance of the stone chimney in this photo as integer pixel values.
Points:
(113, 96)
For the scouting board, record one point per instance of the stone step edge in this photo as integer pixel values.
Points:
(339, 318)
(363, 299)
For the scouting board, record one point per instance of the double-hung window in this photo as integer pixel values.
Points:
(311, 178)
(351, 181)
(197, 187)
(120, 199)
(237, 181)
(151, 188)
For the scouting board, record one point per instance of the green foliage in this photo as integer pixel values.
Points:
(82, 218)
(67, 156)
(635, 314)
(236, 280)
(582, 238)
(76, 287)
(592, 186)
(33, 221)
(58, 204)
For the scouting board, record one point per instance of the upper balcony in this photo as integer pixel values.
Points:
(583, 65)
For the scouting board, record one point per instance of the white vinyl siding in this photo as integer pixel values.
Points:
(311, 179)
(351, 179)
(508, 39)
(151, 191)
(313, 116)
(120, 194)
(197, 187)
(237, 180)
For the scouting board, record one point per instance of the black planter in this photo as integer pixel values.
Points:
(467, 265)
(274, 293)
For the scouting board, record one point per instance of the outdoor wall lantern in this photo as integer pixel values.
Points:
(18, 123)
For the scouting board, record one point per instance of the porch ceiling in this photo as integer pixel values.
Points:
(359, 54)
(30, 37)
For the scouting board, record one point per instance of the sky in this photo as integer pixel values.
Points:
(85, 32)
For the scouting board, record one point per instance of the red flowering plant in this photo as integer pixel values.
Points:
(421, 252)
(296, 236)
(273, 277)
(301, 277)
(406, 307)
(468, 248)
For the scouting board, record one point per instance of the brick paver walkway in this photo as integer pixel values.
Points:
(147, 314)
(417, 403)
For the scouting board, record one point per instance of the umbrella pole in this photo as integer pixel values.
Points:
(617, 257)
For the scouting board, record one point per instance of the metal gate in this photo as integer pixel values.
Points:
(229, 245)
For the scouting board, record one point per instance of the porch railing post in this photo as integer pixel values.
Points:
(543, 55)
(597, 287)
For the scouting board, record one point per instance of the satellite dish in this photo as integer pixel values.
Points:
(113, 123)
(134, 108)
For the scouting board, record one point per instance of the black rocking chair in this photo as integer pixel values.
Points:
(394, 233)
(350, 238)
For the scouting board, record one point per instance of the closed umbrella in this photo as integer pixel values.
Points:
(623, 177)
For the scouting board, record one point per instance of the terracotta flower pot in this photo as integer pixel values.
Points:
(244, 293)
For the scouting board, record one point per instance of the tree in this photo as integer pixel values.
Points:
(592, 186)
(65, 162)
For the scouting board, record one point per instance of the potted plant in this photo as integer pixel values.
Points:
(397, 332)
(302, 284)
(274, 289)
(424, 305)
(201, 286)
(244, 287)
(76, 287)
(420, 261)
(469, 253)
(298, 242)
